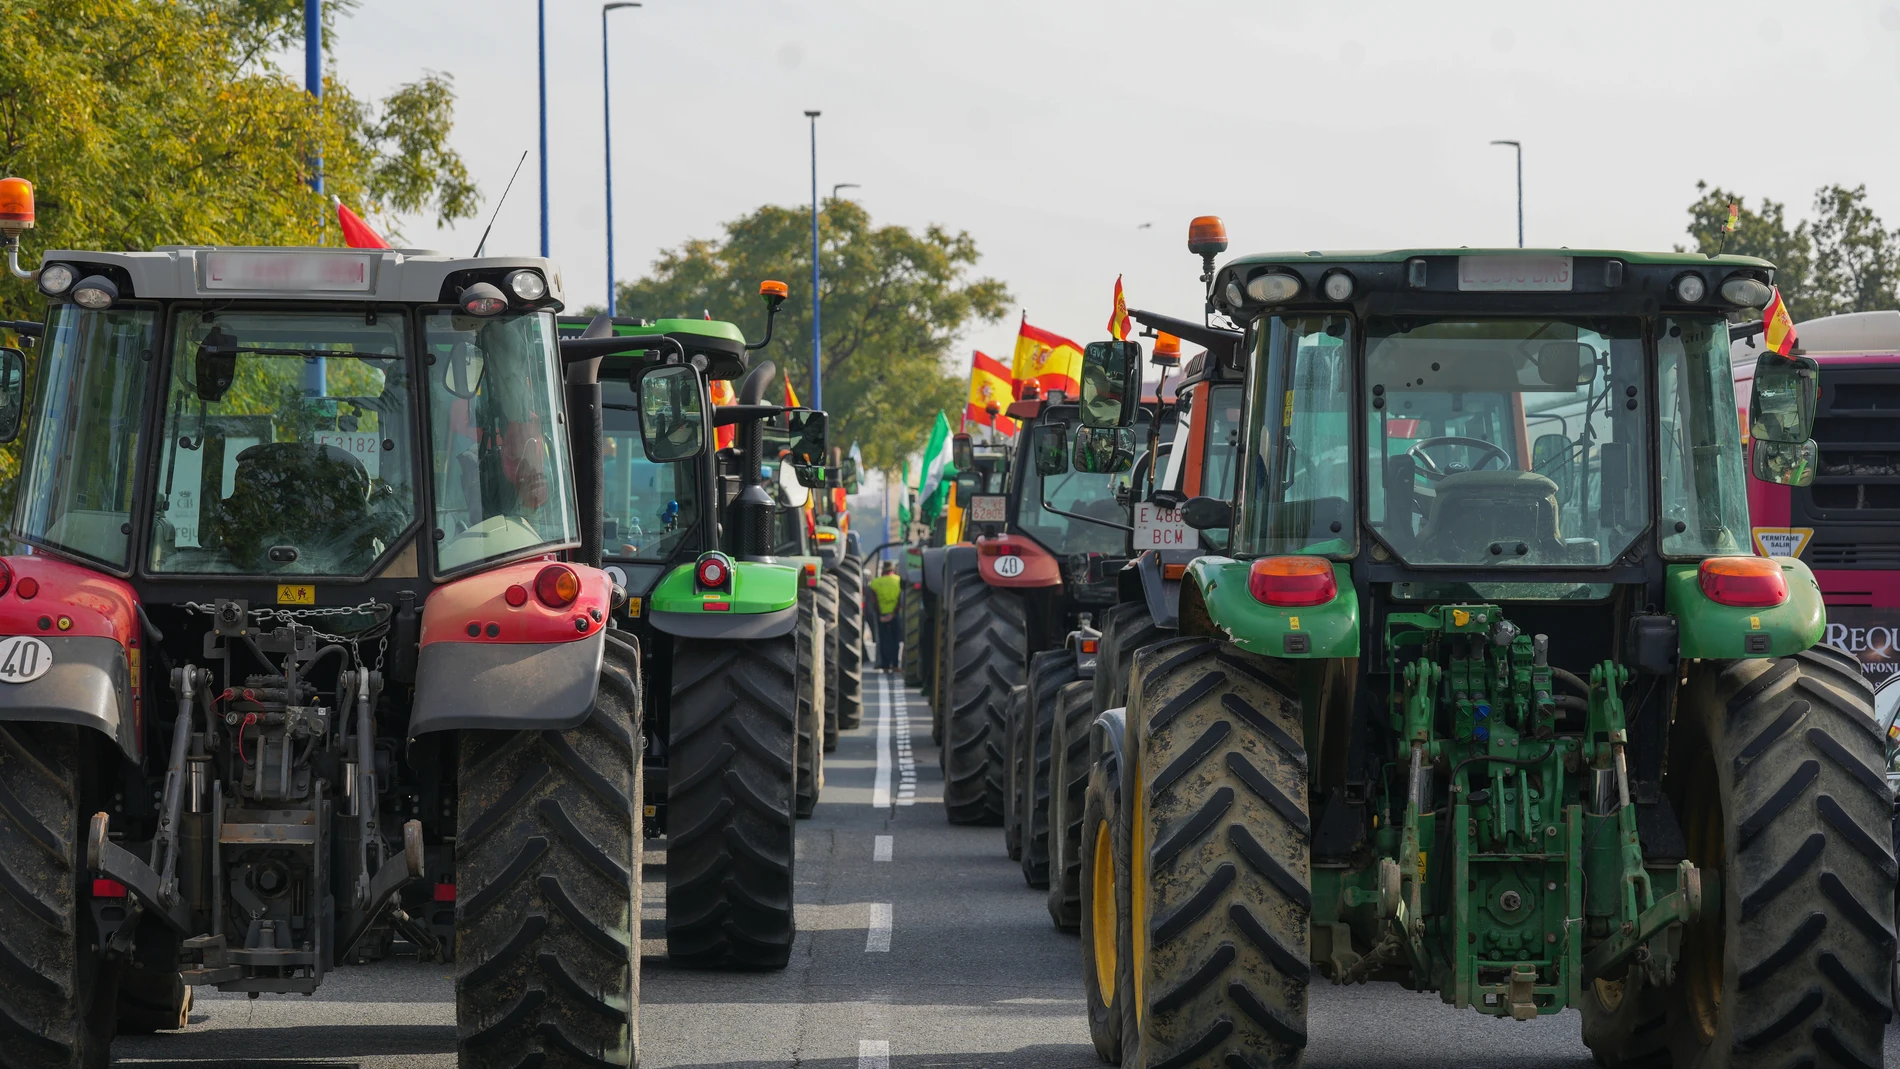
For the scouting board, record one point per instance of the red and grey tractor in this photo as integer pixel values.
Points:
(306, 653)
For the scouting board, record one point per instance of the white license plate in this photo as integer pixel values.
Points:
(989, 508)
(1533, 274)
(23, 659)
(1159, 528)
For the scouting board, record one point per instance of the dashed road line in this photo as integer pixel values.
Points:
(906, 762)
(881, 785)
(874, 1054)
(878, 939)
(881, 848)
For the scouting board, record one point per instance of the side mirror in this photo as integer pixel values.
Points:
(851, 476)
(1104, 450)
(1052, 449)
(962, 452)
(12, 392)
(1207, 513)
(1566, 363)
(1782, 406)
(1550, 457)
(1111, 373)
(672, 419)
(216, 365)
(1787, 463)
(809, 475)
(810, 433)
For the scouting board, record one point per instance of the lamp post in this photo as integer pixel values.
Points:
(541, 37)
(843, 185)
(314, 373)
(1520, 188)
(817, 374)
(607, 144)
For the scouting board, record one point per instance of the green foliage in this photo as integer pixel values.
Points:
(1842, 260)
(894, 303)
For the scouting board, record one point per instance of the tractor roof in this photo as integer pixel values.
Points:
(225, 272)
(1489, 282)
(723, 344)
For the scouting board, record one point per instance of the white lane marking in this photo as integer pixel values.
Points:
(878, 939)
(906, 763)
(881, 786)
(874, 1054)
(881, 848)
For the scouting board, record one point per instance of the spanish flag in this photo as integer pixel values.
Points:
(1118, 324)
(1049, 361)
(990, 390)
(1777, 325)
(722, 394)
(791, 399)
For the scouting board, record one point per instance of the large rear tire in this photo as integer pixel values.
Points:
(911, 657)
(547, 856)
(1068, 779)
(1219, 841)
(828, 611)
(987, 635)
(1778, 770)
(1125, 628)
(1049, 672)
(850, 573)
(1104, 858)
(731, 832)
(811, 704)
(1012, 764)
(57, 999)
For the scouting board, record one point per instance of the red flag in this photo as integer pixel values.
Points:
(791, 399)
(990, 390)
(356, 233)
(1118, 324)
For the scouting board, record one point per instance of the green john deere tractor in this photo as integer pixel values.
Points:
(1488, 696)
(686, 532)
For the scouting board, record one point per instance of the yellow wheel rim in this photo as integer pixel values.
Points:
(1102, 914)
(1138, 884)
(1703, 942)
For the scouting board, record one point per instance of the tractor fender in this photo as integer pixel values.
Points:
(933, 569)
(759, 601)
(486, 664)
(1039, 566)
(1107, 735)
(90, 625)
(1215, 600)
(1161, 594)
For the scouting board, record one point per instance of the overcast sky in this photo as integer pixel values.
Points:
(1052, 130)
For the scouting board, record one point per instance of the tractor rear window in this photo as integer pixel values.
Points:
(650, 508)
(286, 446)
(76, 492)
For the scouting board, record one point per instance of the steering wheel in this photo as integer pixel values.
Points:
(1432, 471)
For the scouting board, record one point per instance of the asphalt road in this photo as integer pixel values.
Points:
(918, 945)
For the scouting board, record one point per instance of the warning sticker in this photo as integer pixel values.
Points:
(1782, 541)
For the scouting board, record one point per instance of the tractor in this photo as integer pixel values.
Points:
(1486, 695)
(841, 554)
(687, 533)
(318, 505)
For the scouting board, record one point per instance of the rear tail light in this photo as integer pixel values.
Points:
(811, 574)
(1173, 571)
(6, 577)
(713, 572)
(996, 549)
(1292, 582)
(557, 586)
(716, 606)
(1088, 645)
(28, 589)
(445, 892)
(1744, 582)
(516, 595)
(104, 888)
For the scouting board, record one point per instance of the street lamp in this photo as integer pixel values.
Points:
(817, 378)
(1520, 188)
(607, 143)
(843, 185)
(541, 36)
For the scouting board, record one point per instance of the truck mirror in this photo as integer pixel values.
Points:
(1787, 463)
(1550, 456)
(1052, 449)
(672, 418)
(1104, 450)
(1568, 364)
(1110, 374)
(809, 437)
(1207, 513)
(216, 365)
(962, 452)
(12, 392)
(1781, 409)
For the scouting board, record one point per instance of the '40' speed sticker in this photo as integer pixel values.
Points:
(23, 659)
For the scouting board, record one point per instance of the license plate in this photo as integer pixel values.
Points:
(989, 508)
(1159, 528)
(1523, 274)
(23, 659)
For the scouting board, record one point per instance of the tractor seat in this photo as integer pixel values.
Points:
(296, 494)
(1473, 509)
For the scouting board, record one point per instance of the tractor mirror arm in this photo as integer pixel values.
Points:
(727, 415)
(1224, 342)
(1043, 500)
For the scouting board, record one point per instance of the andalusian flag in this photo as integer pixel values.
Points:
(933, 486)
(722, 394)
(1049, 361)
(1118, 325)
(1777, 325)
(990, 391)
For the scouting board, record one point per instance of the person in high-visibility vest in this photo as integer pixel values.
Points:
(886, 588)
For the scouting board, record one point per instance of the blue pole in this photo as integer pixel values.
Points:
(541, 32)
(314, 376)
(817, 352)
(607, 146)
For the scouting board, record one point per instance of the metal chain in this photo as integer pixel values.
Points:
(287, 617)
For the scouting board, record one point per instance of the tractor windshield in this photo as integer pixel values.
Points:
(1506, 442)
(1085, 495)
(286, 447)
(76, 492)
(503, 485)
(651, 508)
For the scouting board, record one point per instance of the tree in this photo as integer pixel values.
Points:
(1843, 260)
(1763, 233)
(894, 303)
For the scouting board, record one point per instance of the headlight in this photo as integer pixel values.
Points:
(56, 279)
(1337, 286)
(1690, 289)
(527, 285)
(1745, 291)
(1273, 287)
(95, 292)
(483, 299)
(1235, 298)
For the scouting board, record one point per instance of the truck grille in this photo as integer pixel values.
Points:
(1852, 555)
(1857, 481)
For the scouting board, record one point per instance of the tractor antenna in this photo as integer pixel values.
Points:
(504, 199)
